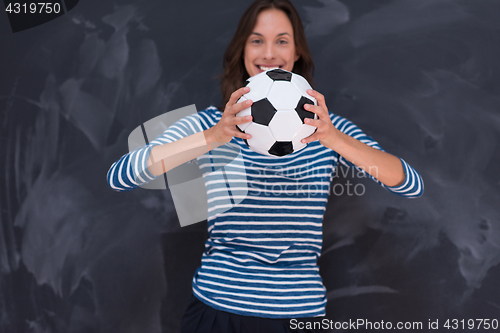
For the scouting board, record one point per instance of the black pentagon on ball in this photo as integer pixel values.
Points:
(262, 112)
(281, 148)
(279, 75)
(303, 113)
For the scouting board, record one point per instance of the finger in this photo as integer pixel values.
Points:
(242, 120)
(315, 94)
(310, 138)
(236, 95)
(319, 110)
(319, 97)
(241, 135)
(239, 107)
(312, 122)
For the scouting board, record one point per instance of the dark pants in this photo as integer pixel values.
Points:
(201, 318)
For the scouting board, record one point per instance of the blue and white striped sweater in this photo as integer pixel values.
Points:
(265, 233)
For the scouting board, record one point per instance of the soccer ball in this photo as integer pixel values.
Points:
(278, 113)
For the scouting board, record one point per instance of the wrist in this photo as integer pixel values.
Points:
(209, 135)
(336, 140)
(210, 139)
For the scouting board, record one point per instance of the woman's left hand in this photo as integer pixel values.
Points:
(326, 133)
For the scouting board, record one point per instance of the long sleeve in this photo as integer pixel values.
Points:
(131, 170)
(413, 185)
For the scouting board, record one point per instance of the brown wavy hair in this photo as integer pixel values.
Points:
(234, 72)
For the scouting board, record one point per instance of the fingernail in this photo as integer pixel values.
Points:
(303, 141)
(248, 117)
(248, 102)
(248, 136)
(247, 88)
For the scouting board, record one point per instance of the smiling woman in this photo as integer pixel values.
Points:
(266, 26)
(259, 269)
(271, 45)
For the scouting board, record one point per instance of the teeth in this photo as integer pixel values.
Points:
(264, 68)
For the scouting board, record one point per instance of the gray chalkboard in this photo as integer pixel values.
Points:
(421, 77)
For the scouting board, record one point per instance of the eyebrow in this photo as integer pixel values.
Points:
(279, 35)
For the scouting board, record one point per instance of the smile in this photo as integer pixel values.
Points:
(264, 68)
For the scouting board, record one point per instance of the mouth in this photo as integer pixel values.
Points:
(262, 68)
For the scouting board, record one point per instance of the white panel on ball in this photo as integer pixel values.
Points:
(261, 136)
(304, 132)
(259, 87)
(302, 85)
(283, 95)
(285, 124)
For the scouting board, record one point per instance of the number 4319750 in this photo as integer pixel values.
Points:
(33, 8)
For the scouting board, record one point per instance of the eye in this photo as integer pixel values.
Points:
(256, 41)
(282, 41)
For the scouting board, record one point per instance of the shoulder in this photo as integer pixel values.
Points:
(211, 111)
(346, 126)
(339, 121)
(207, 117)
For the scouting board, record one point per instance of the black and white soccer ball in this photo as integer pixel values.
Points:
(278, 113)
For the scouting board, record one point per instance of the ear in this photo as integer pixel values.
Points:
(297, 55)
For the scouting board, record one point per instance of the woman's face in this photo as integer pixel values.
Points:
(271, 44)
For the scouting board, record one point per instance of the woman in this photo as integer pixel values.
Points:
(260, 269)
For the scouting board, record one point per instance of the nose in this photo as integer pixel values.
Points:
(269, 52)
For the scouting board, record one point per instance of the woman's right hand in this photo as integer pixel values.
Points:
(225, 129)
